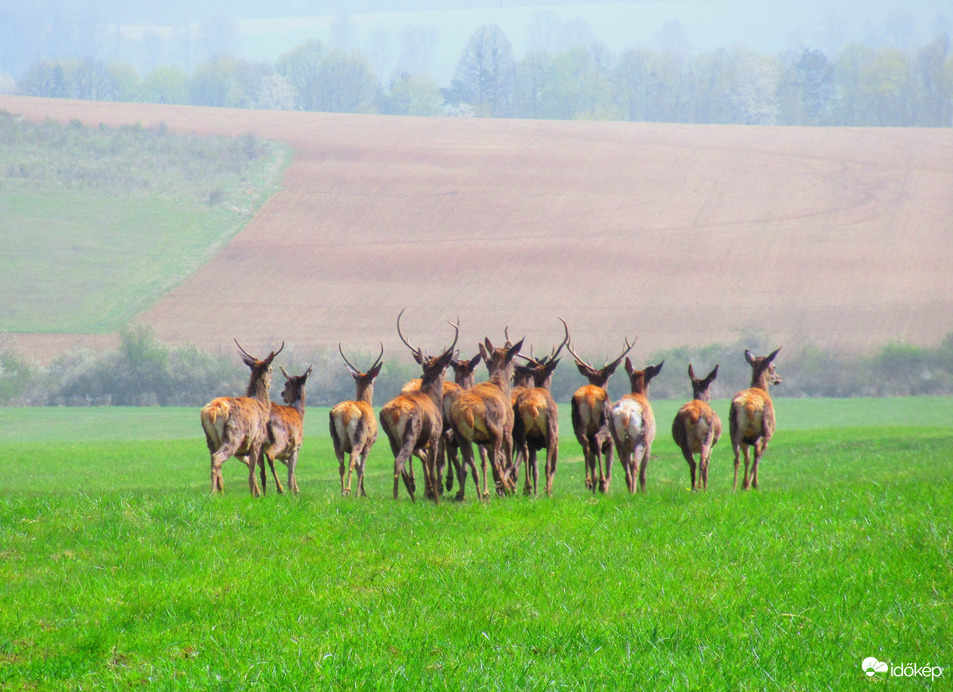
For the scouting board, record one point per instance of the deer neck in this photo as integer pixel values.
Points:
(433, 387)
(760, 381)
(258, 389)
(365, 393)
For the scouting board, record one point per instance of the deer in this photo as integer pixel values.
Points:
(697, 428)
(483, 414)
(751, 418)
(632, 424)
(536, 419)
(353, 425)
(413, 422)
(463, 378)
(590, 418)
(286, 429)
(238, 426)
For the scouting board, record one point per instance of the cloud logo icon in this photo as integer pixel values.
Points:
(872, 666)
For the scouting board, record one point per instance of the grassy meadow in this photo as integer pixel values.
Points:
(120, 570)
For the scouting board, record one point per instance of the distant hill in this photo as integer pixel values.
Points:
(684, 235)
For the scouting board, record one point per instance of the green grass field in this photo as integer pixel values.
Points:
(120, 570)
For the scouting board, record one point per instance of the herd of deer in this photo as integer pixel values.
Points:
(510, 418)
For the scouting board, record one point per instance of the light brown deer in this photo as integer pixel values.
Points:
(536, 419)
(697, 428)
(238, 426)
(414, 422)
(463, 378)
(483, 414)
(751, 417)
(632, 423)
(353, 425)
(286, 429)
(590, 419)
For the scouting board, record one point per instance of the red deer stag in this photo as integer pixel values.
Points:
(238, 426)
(353, 425)
(286, 429)
(751, 418)
(463, 378)
(536, 420)
(632, 423)
(697, 428)
(483, 414)
(590, 419)
(414, 422)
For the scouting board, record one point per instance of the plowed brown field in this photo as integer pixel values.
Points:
(684, 235)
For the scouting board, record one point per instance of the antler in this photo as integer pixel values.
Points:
(629, 347)
(415, 351)
(456, 335)
(351, 368)
(244, 352)
(565, 340)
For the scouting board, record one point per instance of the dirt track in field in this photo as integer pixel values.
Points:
(684, 235)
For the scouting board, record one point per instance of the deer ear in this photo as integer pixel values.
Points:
(712, 375)
(515, 349)
(375, 371)
(749, 356)
(583, 369)
(307, 373)
(691, 371)
(629, 368)
(475, 361)
(489, 345)
(772, 356)
(654, 370)
(287, 376)
(484, 354)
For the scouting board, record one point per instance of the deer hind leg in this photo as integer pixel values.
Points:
(292, 480)
(746, 482)
(759, 449)
(228, 447)
(360, 471)
(551, 452)
(256, 461)
(534, 463)
(605, 479)
(646, 452)
(690, 458)
(269, 457)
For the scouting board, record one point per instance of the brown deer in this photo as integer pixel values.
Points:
(590, 418)
(238, 426)
(353, 425)
(463, 378)
(414, 422)
(286, 429)
(697, 428)
(632, 423)
(751, 417)
(483, 414)
(536, 419)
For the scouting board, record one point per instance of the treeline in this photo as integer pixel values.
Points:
(859, 86)
(143, 371)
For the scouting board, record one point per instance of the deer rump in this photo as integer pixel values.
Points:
(533, 415)
(747, 415)
(591, 409)
(633, 422)
(227, 419)
(476, 409)
(692, 425)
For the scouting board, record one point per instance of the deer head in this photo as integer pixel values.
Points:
(701, 388)
(763, 372)
(639, 379)
(598, 377)
(260, 381)
(293, 391)
(499, 361)
(433, 366)
(463, 370)
(364, 380)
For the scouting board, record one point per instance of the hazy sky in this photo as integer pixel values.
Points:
(265, 30)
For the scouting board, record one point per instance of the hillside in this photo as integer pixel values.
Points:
(684, 235)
